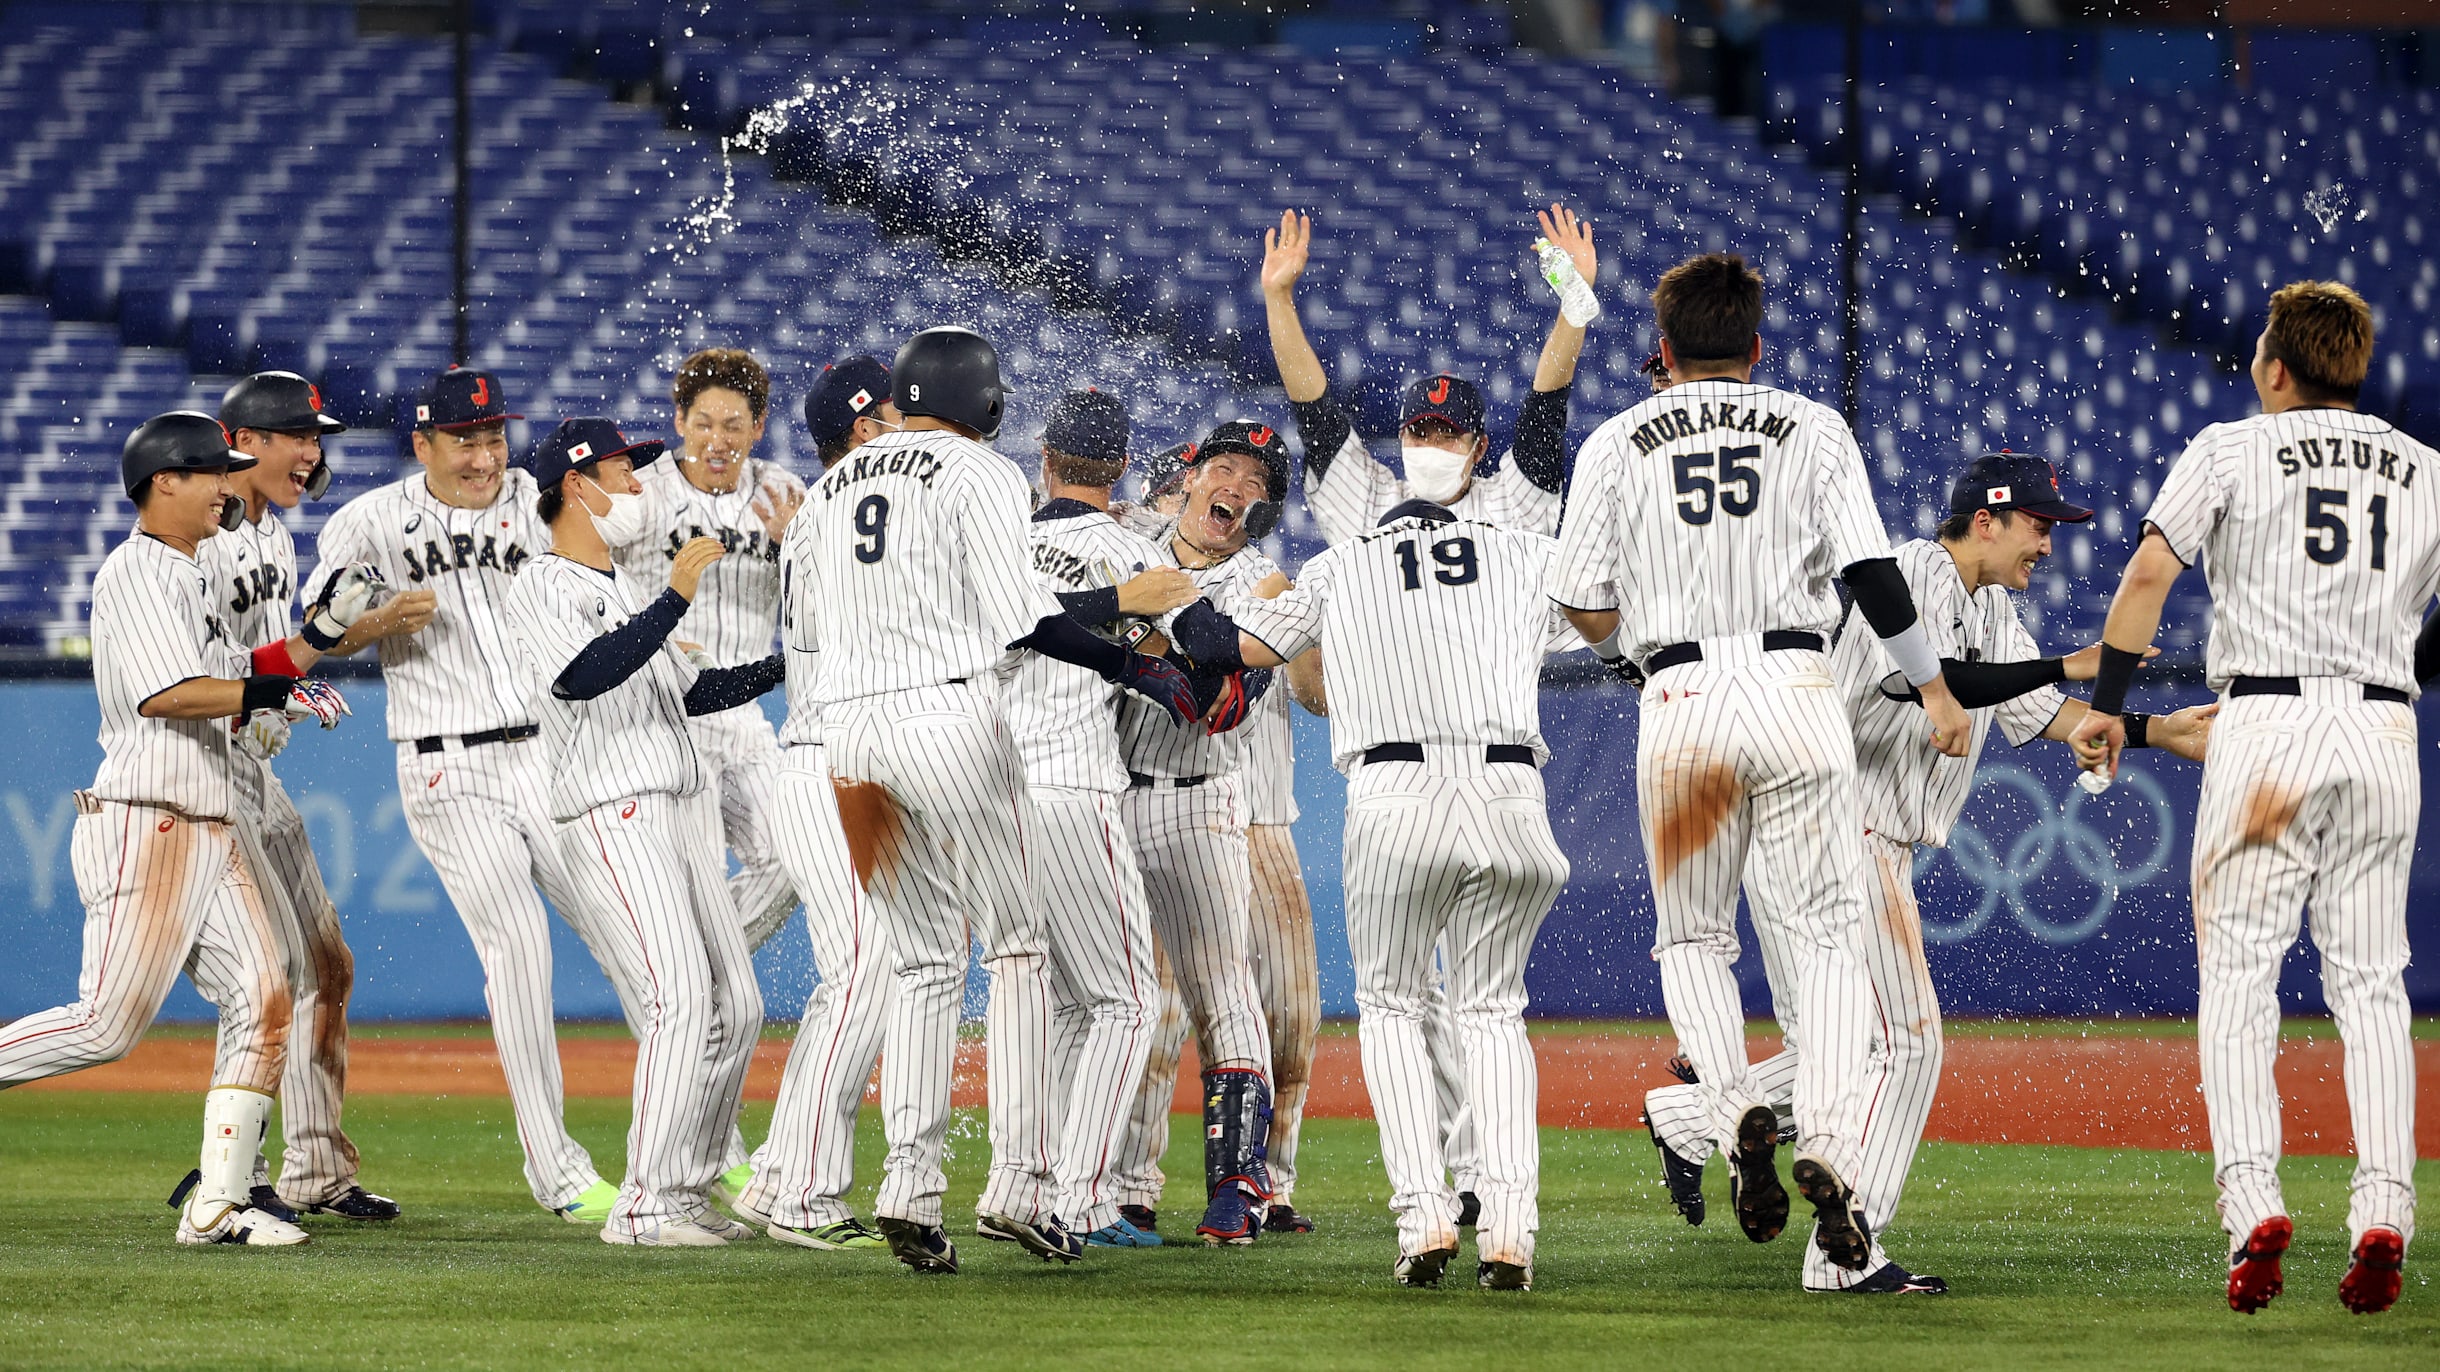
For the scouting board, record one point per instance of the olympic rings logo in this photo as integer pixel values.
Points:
(2035, 854)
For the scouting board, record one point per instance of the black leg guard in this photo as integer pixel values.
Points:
(1237, 1131)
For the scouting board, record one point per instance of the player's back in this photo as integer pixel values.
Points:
(1065, 718)
(919, 564)
(1729, 505)
(2318, 531)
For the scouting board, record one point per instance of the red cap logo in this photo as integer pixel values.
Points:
(1260, 438)
(1439, 394)
(313, 396)
(482, 392)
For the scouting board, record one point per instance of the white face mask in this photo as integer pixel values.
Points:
(1435, 474)
(625, 522)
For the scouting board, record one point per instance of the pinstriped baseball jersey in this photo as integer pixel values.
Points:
(1065, 718)
(2319, 532)
(1910, 791)
(799, 639)
(251, 571)
(1356, 489)
(1436, 632)
(460, 673)
(627, 741)
(919, 564)
(1270, 759)
(737, 601)
(1148, 738)
(153, 626)
(1712, 509)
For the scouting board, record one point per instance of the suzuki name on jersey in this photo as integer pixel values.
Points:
(464, 551)
(919, 463)
(1710, 418)
(2332, 454)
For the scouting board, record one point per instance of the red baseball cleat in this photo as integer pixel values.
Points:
(2372, 1280)
(2253, 1275)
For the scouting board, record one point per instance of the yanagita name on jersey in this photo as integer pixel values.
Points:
(919, 463)
(464, 552)
(2309, 455)
(1709, 417)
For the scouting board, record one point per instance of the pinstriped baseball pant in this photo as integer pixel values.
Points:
(803, 1171)
(482, 817)
(1105, 989)
(1452, 847)
(648, 873)
(954, 853)
(2308, 801)
(162, 894)
(743, 755)
(320, 1161)
(1745, 772)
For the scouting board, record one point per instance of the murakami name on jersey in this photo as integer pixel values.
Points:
(1708, 417)
(865, 465)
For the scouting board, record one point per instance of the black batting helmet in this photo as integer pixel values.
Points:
(180, 441)
(952, 374)
(1254, 439)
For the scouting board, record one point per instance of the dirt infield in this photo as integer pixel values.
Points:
(2115, 1092)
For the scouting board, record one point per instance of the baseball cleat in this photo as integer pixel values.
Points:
(592, 1205)
(2253, 1271)
(1469, 1209)
(267, 1200)
(1283, 1219)
(1227, 1222)
(738, 1207)
(1122, 1233)
(1424, 1268)
(924, 1247)
(1684, 1179)
(1046, 1239)
(1838, 1226)
(983, 1230)
(675, 1231)
(1503, 1276)
(245, 1226)
(2372, 1280)
(1682, 1067)
(830, 1238)
(729, 1230)
(1143, 1217)
(356, 1203)
(1754, 1191)
(1889, 1279)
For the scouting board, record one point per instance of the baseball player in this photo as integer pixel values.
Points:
(803, 1171)
(2001, 509)
(718, 489)
(637, 823)
(474, 793)
(166, 883)
(1441, 435)
(921, 573)
(1704, 526)
(1105, 989)
(1436, 628)
(1185, 806)
(276, 418)
(2321, 551)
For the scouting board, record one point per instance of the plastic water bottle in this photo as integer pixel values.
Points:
(1577, 303)
(2094, 783)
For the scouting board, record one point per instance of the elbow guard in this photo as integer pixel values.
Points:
(1880, 592)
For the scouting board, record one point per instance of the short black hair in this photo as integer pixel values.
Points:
(836, 448)
(1957, 526)
(1709, 307)
(548, 504)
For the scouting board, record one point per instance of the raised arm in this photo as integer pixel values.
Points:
(1556, 370)
(1284, 253)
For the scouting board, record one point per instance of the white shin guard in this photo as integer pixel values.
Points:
(235, 1119)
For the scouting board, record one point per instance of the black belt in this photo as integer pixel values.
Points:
(1413, 752)
(1175, 783)
(2289, 686)
(1773, 641)
(512, 734)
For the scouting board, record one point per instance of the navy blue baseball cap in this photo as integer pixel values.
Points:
(582, 442)
(462, 398)
(1449, 399)
(1090, 424)
(848, 390)
(2013, 481)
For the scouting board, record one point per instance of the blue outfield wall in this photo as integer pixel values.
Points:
(2049, 902)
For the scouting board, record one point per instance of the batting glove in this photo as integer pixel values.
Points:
(1160, 683)
(351, 593)
(261, 734)
(317, 700)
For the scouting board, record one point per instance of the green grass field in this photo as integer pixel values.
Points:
(2060, 1257)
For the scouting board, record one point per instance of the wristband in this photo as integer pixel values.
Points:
(272, 659)
(267, 691)
(2110, 683)
(321, 632)
(2139, 729)
(1912, 654)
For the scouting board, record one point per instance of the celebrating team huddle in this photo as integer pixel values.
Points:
(1025, 716)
